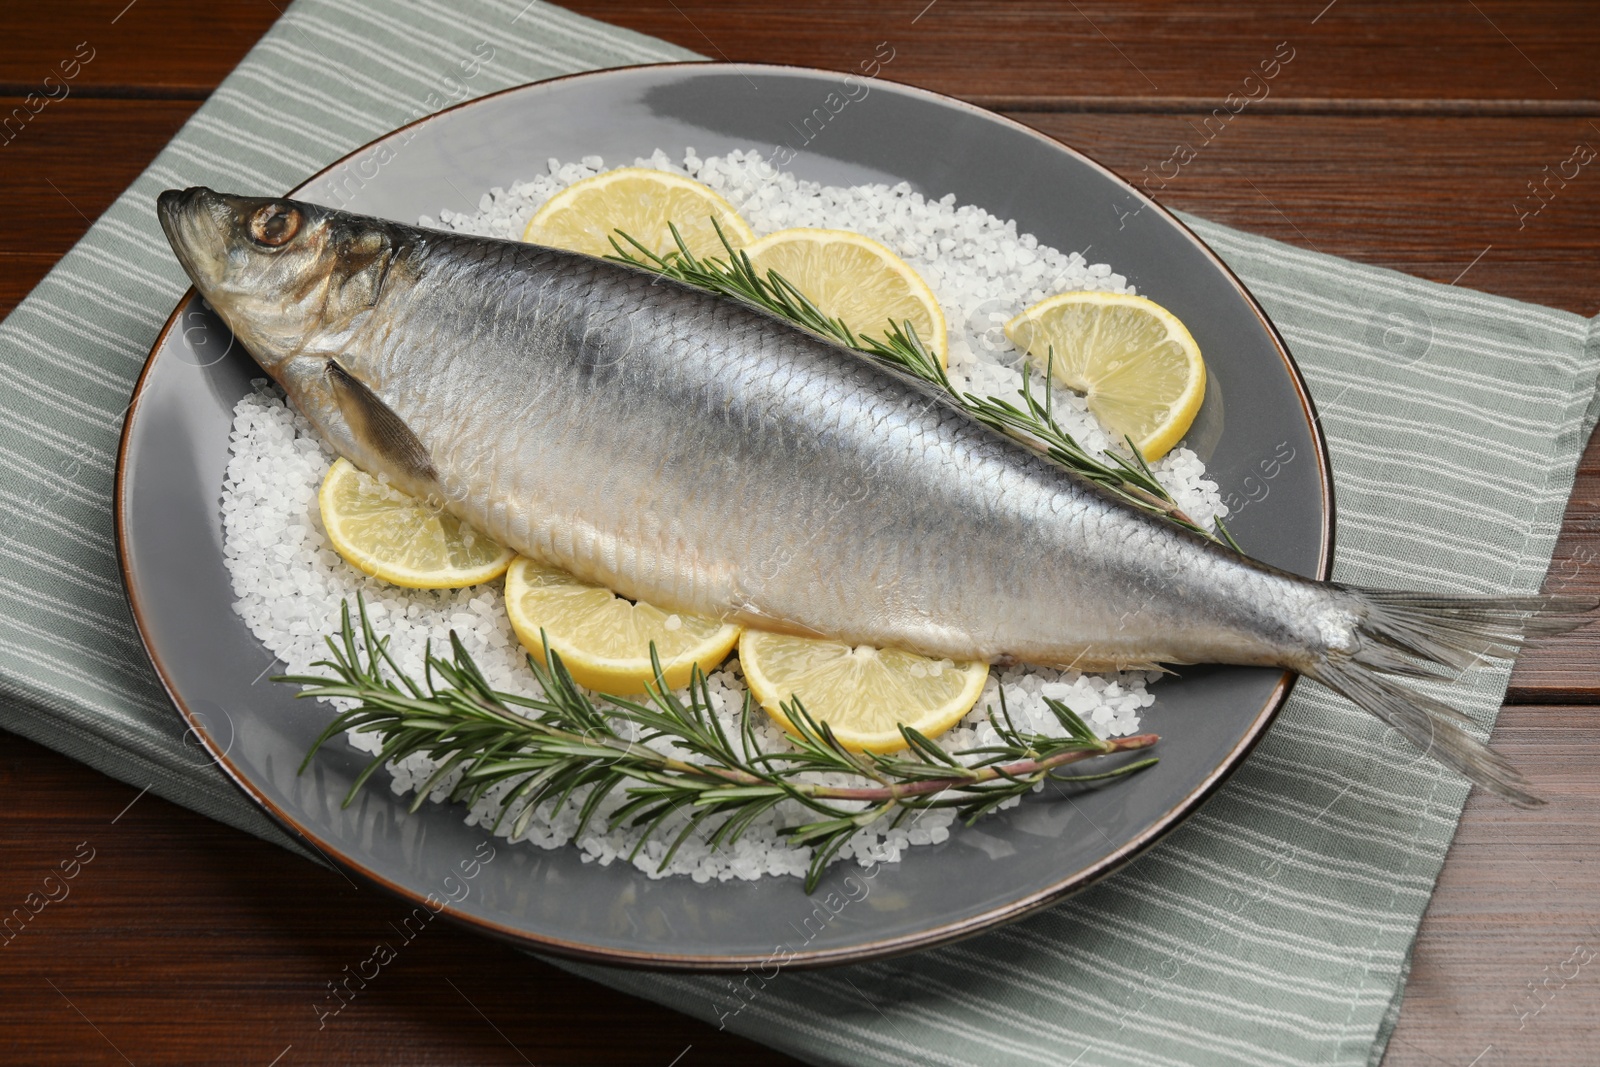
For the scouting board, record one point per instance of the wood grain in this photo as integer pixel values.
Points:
(1508, 964)
(147, 48)
(1566, 669)
(181, 938)
(1400, 135)
(1349, 53)
(1426, 195)
(1386, 55)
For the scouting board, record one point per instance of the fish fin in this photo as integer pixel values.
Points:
(375, 425)
(1417, 635)
(1433, 728)
(1460, 631)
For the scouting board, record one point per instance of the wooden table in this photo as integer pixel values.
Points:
(1406, 137)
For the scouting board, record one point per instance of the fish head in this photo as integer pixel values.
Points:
(289, 278)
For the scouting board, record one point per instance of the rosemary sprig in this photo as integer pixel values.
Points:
(1033, 423)
(547, 749)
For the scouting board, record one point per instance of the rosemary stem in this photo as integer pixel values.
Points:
(1019, 769)
(1153, 501)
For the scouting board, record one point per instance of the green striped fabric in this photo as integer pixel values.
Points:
(1274, 927)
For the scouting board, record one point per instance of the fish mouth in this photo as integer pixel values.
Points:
(195, 221)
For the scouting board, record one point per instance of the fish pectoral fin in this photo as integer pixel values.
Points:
(377, 428)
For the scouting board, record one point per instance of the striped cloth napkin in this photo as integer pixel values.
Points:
(1273, 927)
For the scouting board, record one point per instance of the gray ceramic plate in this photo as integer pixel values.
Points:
(175, 449)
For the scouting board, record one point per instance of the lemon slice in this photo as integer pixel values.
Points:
(854, 279)
(395, 537)
(639, 201)
(1132, 359)
(862, 693)
(604, 640)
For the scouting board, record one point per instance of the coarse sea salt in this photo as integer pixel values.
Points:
(289, 581)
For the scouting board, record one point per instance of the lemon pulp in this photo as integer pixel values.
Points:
(400, 539)
(640, 202)
(856, 280)
(604, 640)
(1132, 359)
(862, 693)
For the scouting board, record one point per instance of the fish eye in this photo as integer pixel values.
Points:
(274, 225)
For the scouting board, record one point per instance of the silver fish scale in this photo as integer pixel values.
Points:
(709, 458)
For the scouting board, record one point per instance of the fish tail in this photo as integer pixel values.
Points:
(1421, 635)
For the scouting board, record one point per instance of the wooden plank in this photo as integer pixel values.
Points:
(1420, 194)
(1506, 969)
(1049, 51)
(183, 940)
(19, 273)
(1528, 56)
(171, 48)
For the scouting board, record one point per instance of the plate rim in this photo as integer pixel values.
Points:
(941, 934)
